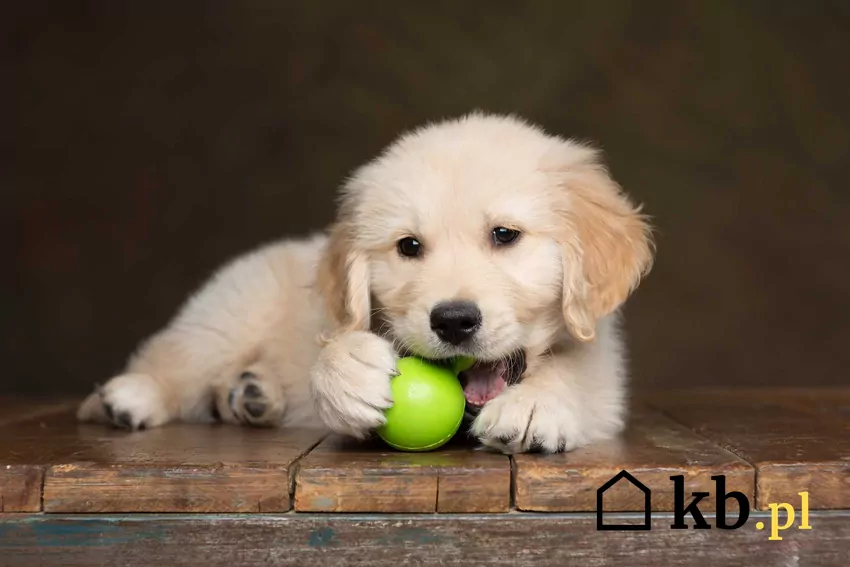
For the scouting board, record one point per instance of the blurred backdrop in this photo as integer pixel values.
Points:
(144, 143)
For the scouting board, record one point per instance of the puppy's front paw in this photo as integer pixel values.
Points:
(133, 401)
(528, 418)
(351, 383)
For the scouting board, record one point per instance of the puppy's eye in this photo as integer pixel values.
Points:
(502, 235)
(409, 247)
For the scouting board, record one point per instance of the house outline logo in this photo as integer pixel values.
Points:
(647, 495)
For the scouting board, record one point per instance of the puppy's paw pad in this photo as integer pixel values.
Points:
(252, 404)
(122, 419)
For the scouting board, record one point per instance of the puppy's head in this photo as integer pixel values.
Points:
(485, 237)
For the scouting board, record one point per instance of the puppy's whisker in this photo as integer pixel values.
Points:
(383, 328)
(402, 346)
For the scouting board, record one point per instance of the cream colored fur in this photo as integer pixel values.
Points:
(554, 293)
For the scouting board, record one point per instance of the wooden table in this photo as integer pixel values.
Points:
(75, 494)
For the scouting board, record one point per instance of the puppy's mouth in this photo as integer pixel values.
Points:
(485, 380)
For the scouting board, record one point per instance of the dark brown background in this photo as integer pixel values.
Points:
(144, 143)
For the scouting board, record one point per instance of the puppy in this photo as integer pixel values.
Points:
(482, 236)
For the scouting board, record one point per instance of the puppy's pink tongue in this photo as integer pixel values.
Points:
(483, 382)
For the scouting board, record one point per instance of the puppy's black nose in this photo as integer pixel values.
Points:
(455, 321)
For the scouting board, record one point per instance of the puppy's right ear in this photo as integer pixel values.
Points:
(343, 281)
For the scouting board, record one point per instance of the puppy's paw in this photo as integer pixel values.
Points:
(128, 401)
(351, 383)
(252, 400)
(527, 418)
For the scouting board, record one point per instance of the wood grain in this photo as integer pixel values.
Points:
(342, 475)
(798, 442)
(14, 409)
(653, 449)
(163, 488)
(21, 484)
(20, 488)
(355, 540)
(177, 468)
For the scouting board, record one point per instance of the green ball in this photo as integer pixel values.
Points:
(428, 407)
(462, 363)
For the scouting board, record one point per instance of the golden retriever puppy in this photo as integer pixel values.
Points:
(482, 236)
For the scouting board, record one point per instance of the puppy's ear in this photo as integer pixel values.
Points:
(606, 242)
(343, 280)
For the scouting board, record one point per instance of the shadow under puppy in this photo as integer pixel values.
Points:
(481, 236)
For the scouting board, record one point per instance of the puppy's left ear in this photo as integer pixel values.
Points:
(606, 241)
(343, 281)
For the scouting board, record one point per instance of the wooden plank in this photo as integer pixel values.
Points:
(20, 485)
(177, 468)
(798, 442)
(653, 449)
(342, 475)
(162, 488)
(20, 488)
(432, 539)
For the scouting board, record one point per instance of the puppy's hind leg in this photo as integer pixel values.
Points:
(161, 383)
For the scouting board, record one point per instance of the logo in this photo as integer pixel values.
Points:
(647, 504)
(681, 510)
